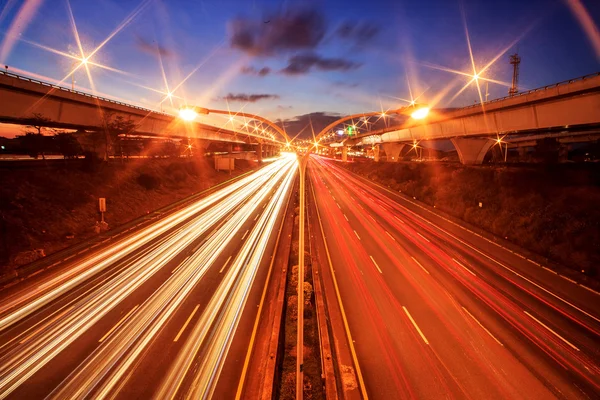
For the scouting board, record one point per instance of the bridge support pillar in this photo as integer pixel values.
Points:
(345, 153)
(472, 151)
(376, 153)
(392, 151)
(522, 153)
(259, 152)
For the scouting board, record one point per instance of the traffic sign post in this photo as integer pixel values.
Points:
(102, 207)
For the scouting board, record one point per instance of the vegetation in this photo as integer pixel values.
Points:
(551, 210)
(52, 208)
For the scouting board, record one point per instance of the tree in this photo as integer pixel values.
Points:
(34, 140)
(67, 144)
(113, 127)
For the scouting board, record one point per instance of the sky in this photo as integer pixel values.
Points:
(292, 60)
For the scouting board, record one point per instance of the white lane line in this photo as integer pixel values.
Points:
(378, 269)
(483, 327)
(373, 218)
(346, 218)
(419, 264)
(333, 197)
(590, 289)
(357, 235)
(415, 325)
(484, 254)
(398, 218)
(390, 235)
(423, 237)
(224, 265)
(42, 327)
(555, 334)
(338, 205)
(180, 264)
(186, 323)
(472, 273)
(118, 323)
(264, 205)
(256, 217)
(568, 279)
(245, 233)
(550, 270)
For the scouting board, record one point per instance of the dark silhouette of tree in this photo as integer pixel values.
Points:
(113, 127)
(34, 140)
(67, 144)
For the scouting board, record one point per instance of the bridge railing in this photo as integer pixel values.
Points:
(582, 78)
(66, 89)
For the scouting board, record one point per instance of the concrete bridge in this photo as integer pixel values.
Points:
(22, 97)
(570, 108)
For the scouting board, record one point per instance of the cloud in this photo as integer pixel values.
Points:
(249, 70)
(303, 63)
(300, 124)
(152, 48)
(249, 98)
(345, 84)
(359, 32)
(290, 31)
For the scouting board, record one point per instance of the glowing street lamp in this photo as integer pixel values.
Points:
(420, 113)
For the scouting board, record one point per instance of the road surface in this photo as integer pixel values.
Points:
(166, 311)
(436, 311)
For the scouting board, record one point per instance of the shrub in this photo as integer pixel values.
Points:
(147, 181)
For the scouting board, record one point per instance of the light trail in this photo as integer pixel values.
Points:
(21, 361)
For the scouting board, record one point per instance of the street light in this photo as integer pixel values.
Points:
(188, 113)
(420, 113)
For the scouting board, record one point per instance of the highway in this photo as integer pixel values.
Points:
(166, 311)
(435, 311)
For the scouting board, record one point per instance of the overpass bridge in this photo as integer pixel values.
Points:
(570, 108)
(22, 97)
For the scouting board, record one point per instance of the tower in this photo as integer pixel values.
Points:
(515, 60)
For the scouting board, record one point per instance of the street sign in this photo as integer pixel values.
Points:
(102, 204)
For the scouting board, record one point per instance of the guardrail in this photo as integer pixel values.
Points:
(66, 89)
(581, 78)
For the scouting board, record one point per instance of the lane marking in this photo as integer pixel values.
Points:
(555, 334)
(395, 216)
(256, 217)
(390, 235)
(471, 272)
(473, 248)
(423, 237)
(346, 218)
(419, 264)
(118, 323)
(551, 270)
(373, 218)
(338, 205)
(415, 325)
(249, 353)
(568, 279)
(357, 235)
(361, 381)
(224, 265)
(245, 233)
(44, 327)
(186, 323)
(374, 262)
(483, 327)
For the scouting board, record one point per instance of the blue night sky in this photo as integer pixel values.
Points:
(283, 59)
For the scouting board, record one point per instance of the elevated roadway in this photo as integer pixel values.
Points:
(23, 98)
(566, 107)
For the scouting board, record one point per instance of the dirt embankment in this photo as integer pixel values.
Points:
(51, 208)
(552, 210)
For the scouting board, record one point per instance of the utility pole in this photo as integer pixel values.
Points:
(515, 60)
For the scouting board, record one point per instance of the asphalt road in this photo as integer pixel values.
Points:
(166, 311)
(436, 311)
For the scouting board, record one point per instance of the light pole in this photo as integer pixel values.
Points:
(189, 113)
